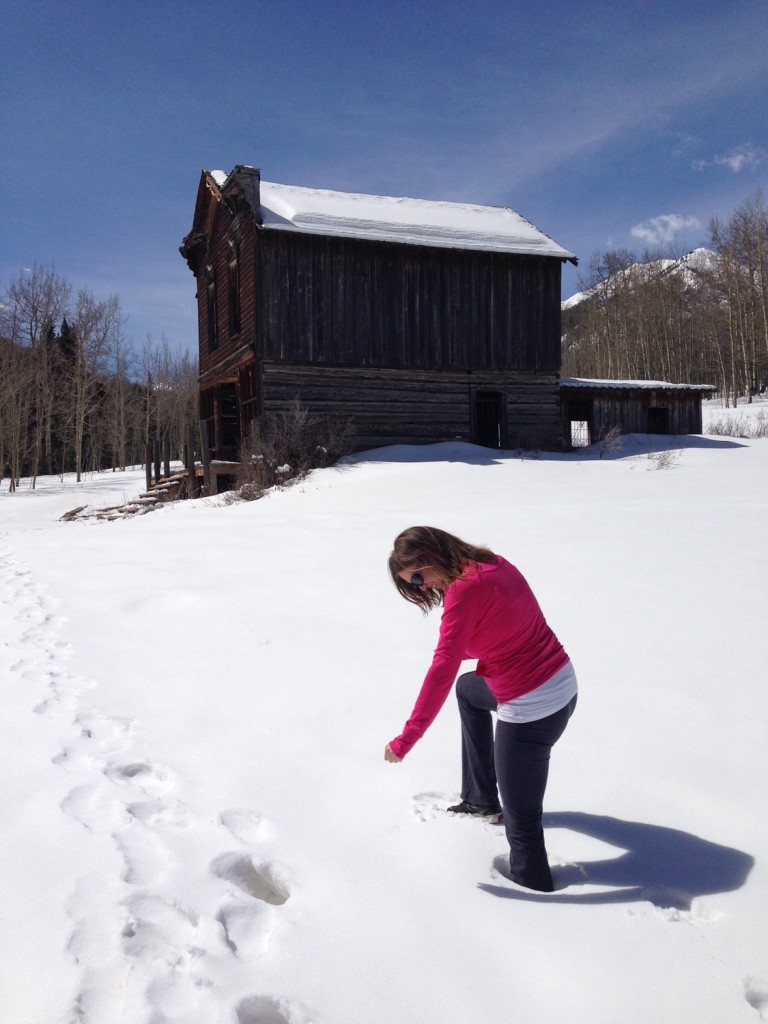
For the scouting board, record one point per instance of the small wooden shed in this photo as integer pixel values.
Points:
(421, 321)
(591, 408)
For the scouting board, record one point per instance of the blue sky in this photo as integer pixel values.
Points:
(606, 125)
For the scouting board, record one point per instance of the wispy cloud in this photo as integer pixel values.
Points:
(736, 159)
(665, 228)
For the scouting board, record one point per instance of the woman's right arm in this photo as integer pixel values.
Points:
(456, 626)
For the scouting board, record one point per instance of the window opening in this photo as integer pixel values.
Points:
(213, 312)
(233, 295)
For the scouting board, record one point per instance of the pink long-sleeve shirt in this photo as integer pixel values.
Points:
(490, 614)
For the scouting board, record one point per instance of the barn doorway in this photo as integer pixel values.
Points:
(658, 420)
(580, 413)
(488, 418)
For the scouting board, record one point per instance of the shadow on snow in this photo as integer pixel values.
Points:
(630, 446)
(660, 865)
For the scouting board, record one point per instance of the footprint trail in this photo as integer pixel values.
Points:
(171, 906)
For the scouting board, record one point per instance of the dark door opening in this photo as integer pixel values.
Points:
(488, 415)
(658, 421)
(229, 423)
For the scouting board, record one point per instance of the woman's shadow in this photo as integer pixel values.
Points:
(662, 866)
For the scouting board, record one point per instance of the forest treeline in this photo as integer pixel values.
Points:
(74, 395)
(695, 319)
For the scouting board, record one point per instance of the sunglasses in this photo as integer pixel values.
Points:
(417, 580)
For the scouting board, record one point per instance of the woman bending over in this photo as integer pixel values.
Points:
(523, 674)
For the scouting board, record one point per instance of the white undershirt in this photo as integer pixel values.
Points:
(545, 700)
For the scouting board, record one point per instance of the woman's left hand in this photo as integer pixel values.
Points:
(391, 756)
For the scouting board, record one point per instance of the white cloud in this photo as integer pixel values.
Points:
(736, 159)
(664, 229)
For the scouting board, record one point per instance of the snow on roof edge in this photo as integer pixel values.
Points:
(643, 385)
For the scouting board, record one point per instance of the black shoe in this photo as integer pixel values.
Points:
(493, 815)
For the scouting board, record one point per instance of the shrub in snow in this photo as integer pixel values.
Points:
(287, 447)
(740, 425)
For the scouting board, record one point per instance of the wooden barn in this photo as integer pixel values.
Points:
(591, 408)
(421, 321)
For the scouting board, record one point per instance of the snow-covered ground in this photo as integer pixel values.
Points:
(198, 822)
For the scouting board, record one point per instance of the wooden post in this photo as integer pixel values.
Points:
(205, 453)
(148, 464)
(189, 455)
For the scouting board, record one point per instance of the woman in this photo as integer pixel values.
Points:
(523, 673)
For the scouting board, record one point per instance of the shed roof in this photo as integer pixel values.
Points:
(399, 219)
(632, 385)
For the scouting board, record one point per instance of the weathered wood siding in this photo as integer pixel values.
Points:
(376, 304)
(402, 407)
(631, 410)
(236, 227)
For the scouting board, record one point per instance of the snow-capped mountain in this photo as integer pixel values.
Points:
(691, 267)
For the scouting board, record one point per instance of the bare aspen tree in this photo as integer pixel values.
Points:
(17, 388)
(742, 246)
(121, 404)
(170, 387)
(96, 328)
(35, 302)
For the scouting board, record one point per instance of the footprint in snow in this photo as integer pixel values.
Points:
(756, 994)
(247, 927)
(427, 806)
(147, 859)
(676, 905)
(247, 826)
(159, 929)
(239, 869)
(75, 759)
(96, 808)
(108, 734)
(99, 736)
(161, 814)
(268, 1010)
(151, 777)
(183, 998)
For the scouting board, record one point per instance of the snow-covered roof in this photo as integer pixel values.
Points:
(412, 221)
(634, 385)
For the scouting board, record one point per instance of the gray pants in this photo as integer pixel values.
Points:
(514, 764)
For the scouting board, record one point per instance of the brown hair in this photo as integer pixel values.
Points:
(421, 547)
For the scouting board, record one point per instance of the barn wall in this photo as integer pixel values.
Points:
(400, 407)
(360, 303)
